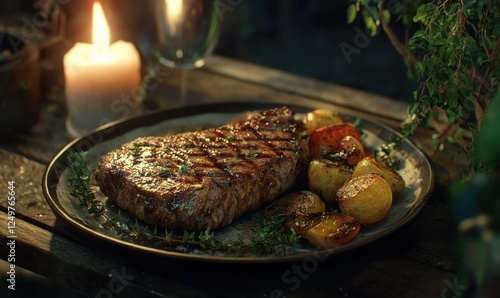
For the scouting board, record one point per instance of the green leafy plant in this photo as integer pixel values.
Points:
(452, 48)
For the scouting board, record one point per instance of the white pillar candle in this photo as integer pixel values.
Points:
(101, 80)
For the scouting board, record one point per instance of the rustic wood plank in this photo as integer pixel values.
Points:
(45, 139)
(27, 174)
(307, 87)
(423, 242)
(207, 87)
(85, 269)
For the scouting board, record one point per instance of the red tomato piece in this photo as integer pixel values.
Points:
(326, 140)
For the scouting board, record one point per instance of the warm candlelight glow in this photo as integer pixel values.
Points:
(174, 14)
(100, 79)
(100, 29)
(174, 9)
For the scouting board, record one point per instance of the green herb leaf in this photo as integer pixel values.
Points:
(183, 170)
(351, 13)
(272, 237)
(166, 172)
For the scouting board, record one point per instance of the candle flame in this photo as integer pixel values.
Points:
(100, 29)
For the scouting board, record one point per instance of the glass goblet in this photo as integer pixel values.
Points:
(185, 33)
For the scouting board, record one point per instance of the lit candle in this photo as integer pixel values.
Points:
(100, 79)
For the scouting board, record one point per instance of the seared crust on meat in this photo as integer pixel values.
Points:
(205, 179)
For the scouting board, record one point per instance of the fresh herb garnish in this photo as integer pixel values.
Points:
(272, 237)
(229, 139)
(248, 155)
(340, 156)
(135, 148)
(356, 123)
(79, 184)
(183, 170)
(166, 172)
(304, 135)
(384, 153)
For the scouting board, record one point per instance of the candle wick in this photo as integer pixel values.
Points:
(101, 48)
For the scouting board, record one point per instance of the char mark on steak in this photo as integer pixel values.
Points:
(205, 179)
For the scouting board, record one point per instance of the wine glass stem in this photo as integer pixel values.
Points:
(183, 86)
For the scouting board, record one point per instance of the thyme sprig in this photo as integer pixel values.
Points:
(272, 237)
(269, 238)
(79, 184)
(384, 153)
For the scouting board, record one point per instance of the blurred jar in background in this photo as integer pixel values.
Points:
(19, 83)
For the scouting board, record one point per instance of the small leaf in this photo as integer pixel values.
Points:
(441, 41)
(370, 24)
(351, 13)
(407, 21)
(424, 13)
(386, 16)
(470, 43)
(416, 37)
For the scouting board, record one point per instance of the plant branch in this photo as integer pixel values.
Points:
(400, 48)
(491, 67)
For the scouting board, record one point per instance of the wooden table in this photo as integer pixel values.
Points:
(417, 261)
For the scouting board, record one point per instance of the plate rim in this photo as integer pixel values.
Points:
(51, 178)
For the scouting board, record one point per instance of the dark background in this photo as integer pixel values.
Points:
(304, 37)
(298, 36)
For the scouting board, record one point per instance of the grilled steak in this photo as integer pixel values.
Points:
(205, 179)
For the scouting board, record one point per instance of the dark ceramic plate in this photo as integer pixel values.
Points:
(416, 170)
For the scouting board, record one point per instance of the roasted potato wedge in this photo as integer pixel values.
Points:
(325, 177)
(326, 140)
(367, 198)
(352, 149)
(330, 230)
(294, 205)
(371, 165)
(319, 118)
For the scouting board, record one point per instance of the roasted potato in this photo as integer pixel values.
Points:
(319, 118)
(371, 165)
(367, 198)
(330, 230)
(325, 177)
(353, 151)
(326, 140)
(294, 205)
